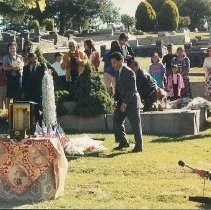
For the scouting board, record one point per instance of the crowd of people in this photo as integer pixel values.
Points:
(170, 74)
(126, 81)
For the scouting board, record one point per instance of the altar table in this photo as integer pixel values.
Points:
(32, 170)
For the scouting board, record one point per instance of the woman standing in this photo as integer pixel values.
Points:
(13, 65)
(92, 54)
(72, 60)
(183, 63)
(207, 69)
(27, 48)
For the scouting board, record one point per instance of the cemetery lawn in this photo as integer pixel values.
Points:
(123, 180)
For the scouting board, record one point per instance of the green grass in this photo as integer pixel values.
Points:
(204, 35)
(151, 179)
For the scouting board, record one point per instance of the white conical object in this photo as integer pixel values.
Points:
(48, 103)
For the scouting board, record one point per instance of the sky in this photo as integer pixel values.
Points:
(127, 6)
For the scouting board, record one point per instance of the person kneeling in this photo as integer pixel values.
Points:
(146, 86)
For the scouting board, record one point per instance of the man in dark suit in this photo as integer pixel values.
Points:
(127, 102)
(126, 50)
(33, 74)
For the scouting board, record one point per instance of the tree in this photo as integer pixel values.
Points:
(197, 10)
(109, 13)
(20, 4)
(34, 24)
(91, 94)
(15, 11)
(146, 18)
(179, 3)
(128, 21)
(168, 18)
(70, 13)
(156, 4)
(49, 24)
(184, 21)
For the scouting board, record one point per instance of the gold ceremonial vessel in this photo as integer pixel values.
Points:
(22, 119)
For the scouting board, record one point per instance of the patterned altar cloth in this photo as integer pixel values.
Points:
(23, 163)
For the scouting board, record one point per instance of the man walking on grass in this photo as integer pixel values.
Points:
(127, 101)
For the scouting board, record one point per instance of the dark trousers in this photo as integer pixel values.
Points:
(175, 90)
(149, 101)
(133, 115)
(74, 76)
(14, 87)
(186, 92)
(63, 85)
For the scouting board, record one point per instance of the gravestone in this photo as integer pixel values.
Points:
(20, 42)
(8, 37)
(25, 35)
(163, 33)
(133, 43)
(173, 33)
(177, 122)
(34, 35)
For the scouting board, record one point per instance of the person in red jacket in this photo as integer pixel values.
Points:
(92, 53)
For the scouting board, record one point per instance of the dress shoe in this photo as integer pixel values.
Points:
(136, 150)
(121, 146)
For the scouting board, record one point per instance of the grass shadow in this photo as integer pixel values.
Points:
(171, 139)
(98, 155)
(76, 132)
(14, 204)
(205, 206)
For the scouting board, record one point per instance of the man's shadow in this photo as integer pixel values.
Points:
(205, 206)
(112, 154)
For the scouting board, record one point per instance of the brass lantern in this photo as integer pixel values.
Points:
(22, 119)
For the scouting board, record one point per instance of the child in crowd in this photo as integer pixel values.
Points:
(60, 72)
(2, 85)
(175, 84)
(157, 70)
